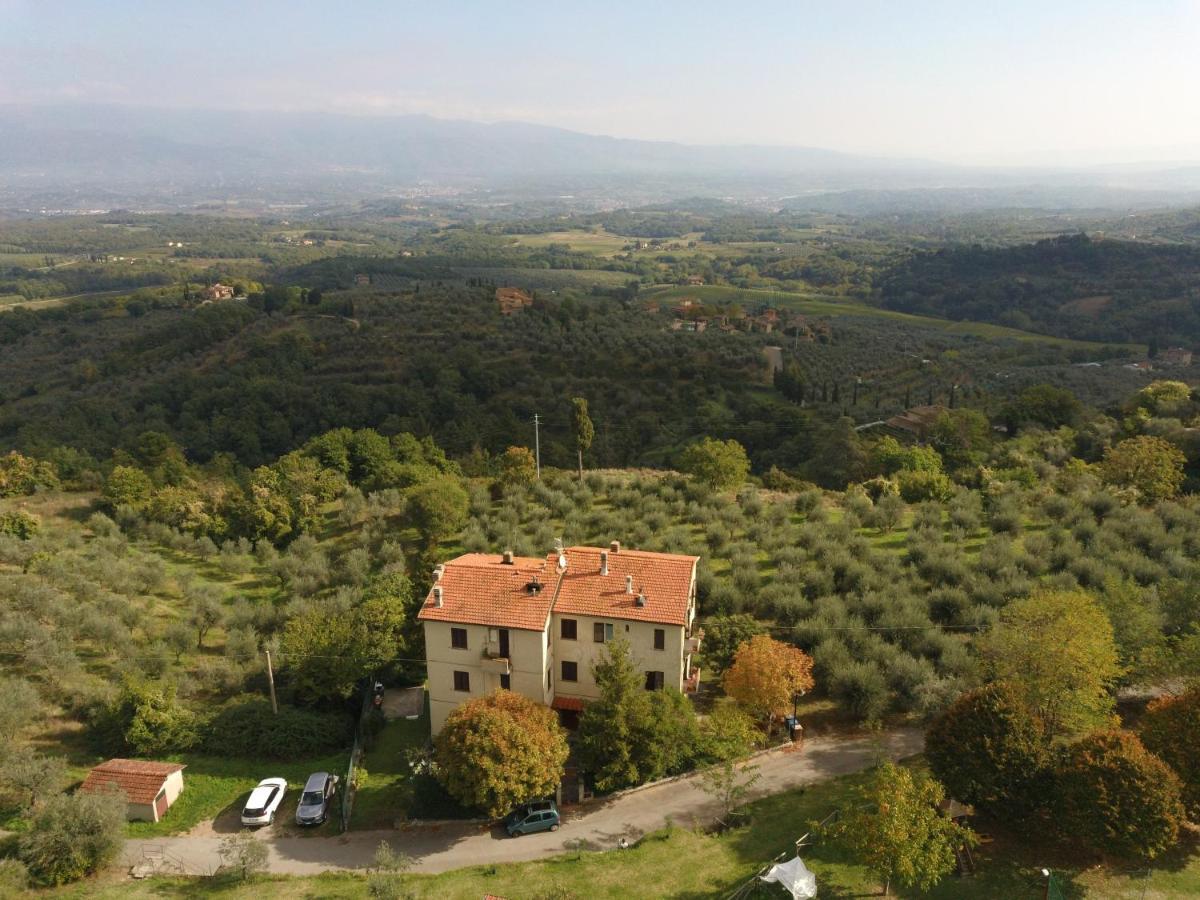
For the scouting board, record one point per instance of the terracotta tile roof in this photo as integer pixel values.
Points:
(479, 589)
(139, 779)
(666, 579)
(571, 704)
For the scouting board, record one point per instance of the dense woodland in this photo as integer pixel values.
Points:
(1072, 286)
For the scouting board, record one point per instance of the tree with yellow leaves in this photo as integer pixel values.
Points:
(766, 675)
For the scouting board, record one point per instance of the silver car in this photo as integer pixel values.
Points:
(316, 799)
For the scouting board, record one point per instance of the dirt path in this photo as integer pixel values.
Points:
(593, 826)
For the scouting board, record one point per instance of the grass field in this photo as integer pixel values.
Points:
(681, 862)
(824, 305)
(598, 242)
(547, 279)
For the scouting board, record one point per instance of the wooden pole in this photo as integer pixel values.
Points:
(271, 682)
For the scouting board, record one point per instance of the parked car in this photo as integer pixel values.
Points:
(319, 791)
(539, 816)
(264, 801)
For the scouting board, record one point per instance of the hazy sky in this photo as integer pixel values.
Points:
(971, 80)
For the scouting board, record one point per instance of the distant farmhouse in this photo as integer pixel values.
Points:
(536, 626)
(218, 291)
(1175, 357)
(915, 422)
(512, 300)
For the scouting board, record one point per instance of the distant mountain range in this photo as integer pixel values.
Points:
(108, 152)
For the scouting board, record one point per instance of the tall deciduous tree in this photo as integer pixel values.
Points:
(517, 466)
(988, 750)
(1056, 650)
(719, 464)
(1170, 729)
(723, 635)
(630, 735)
(766, 675)
(327, 651)
(1117, 797)
(501, 750)
(896, 829)
(581, 428)
(1150, 465)
(437, 508)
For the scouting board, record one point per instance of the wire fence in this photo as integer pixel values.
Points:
(361, 733)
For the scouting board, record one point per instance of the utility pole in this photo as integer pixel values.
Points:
(271, 682)
(537, 446)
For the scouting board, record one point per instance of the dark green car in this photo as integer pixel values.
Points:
(539, 816)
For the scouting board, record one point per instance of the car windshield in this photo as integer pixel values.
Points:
(311, 798)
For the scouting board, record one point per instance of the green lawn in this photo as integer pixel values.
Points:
(386, 794)
(392, 791)
(681, 863)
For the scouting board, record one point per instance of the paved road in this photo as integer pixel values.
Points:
(593, 826)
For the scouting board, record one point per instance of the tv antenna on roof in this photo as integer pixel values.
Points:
(562, 553)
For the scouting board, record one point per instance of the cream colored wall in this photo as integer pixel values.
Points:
(140, 812)
(528, 659)
(174, 787)
(640, 636)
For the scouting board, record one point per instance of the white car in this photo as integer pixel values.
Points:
(264, 801)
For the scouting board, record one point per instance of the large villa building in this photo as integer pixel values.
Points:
(536, 625)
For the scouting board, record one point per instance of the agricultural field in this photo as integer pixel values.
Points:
(599, 242)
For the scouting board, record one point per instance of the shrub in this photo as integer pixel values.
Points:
(1171, 730)
(1117, 797)
(918, 485)
(861, 689)
(727, 733)
(19, 524)
(72, 836)
(245, 727)
(989, 751)
(14, 878)
(145, 719)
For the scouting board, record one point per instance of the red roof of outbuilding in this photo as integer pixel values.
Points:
(571, 704)
(140, 780)
(481, 589)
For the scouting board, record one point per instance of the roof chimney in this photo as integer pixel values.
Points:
(507, 558)
(615, 546)
(438, 572)
(603, 562)
(437, 595)
(641, 597)
(629, 584)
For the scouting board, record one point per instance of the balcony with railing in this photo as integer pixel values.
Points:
(694, 641)
(495, 659)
